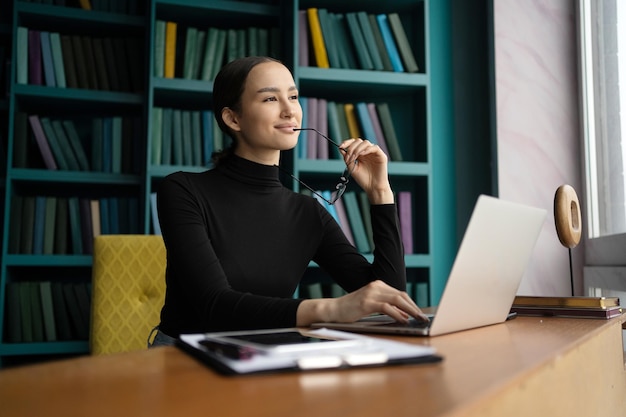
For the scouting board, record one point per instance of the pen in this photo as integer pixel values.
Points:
(230, 350)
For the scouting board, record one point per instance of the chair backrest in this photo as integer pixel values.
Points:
(128, 290)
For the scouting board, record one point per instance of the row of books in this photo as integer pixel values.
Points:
(341, 121)
(101, 144)
(185, 137)
(79, 61)
(129, 7)
(50, 225)
(354, 40)
(47, 311)
(198, 54)
(352, 212)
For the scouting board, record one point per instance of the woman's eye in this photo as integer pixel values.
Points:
(294, 97)
(270, 99)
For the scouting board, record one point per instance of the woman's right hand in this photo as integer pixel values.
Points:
(375, 297)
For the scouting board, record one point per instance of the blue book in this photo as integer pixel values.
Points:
(390, 43)
(39, 226)
(105, 228)
(367, 128)
(116, 145)
(48, 63)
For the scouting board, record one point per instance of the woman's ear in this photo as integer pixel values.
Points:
(230, 119)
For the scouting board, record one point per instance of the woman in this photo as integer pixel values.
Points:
(238, 241)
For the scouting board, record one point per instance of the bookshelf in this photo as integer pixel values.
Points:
(418, 101)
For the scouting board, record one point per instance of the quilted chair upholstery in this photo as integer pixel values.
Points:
(128, 289)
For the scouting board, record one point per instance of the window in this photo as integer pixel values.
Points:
(602, 42)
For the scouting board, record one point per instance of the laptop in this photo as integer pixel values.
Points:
(486, 274)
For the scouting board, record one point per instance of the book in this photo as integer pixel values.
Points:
(61, 316)
(566, 302)
(26, 312)
(46, 59)
(116, 145)
(80, 62)
(177, 137)
(572, 312)
(314, 290)
(57, 59)
(189, 61)
(343, 221)
(45, 290)
(101, 64)
(358, 40)
(196, 137)
(83, 298)
(42, 142)
(159, 48)
(405, 213)
(364, 203)
(76, 144)
(36, 311)
(170, 49)
(156, 226)
(220, 51)
(55, 145)
(111, 57)
(380, 43)
(86, 225)
(90, 62)
(334, 130)
(322, 127)
(186, 137)
(20, 140)
(35, 66)
(356, 222)
(317, 39)
(27, 224)
(80, 328)
(38, 227)
(157, 135)
(61, 227)
(107, 144)
(367, 128)
(389, 131)
(345, 47)
(97, 144)
(13, 313)
(330, 42)
(49, 225)
(390, 43)
(166, 136)
(66, 147)
(312, 120)
(303, 39)
(378, 130)
(94, 206)
(75, 225)
(352, 121)
(207, 136)
(209, 54)
(402, 41)
(21, 55)
(15, 226)
(69, 62)
(370, 40)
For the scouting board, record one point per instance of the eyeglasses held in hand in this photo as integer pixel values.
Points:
(341, 186)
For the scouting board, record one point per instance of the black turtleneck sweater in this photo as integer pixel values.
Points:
(238, 242)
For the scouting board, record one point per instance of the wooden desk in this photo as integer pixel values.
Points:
(525, 367)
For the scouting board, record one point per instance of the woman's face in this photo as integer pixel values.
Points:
(269, 112)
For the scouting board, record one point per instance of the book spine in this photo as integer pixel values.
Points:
(390, 43)
(35, 67)
(317, 39)
(403, 43)
(46, 55)
(42, 142)
(170, 49)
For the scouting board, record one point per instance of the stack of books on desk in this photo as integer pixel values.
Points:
(579, 307)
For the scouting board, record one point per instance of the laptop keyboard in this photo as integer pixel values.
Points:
(413, 323)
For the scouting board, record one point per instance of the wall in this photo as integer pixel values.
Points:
(538, 124)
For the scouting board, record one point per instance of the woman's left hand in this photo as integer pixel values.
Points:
(370, 169)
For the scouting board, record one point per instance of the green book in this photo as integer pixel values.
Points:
(116, 145)
(28, 225)
(76, 144)
(345, 48)
(75, 230)
(22, 55)
(330, 40)
(386, 123)
(101, 64)
(97, 144)
(220, 52)
(69, 62)
(20, 141)
(68, 153)
(80, 328)
(26, 312)
(159, 48)
(231, 45)
(45, 289)
(49, 225)
(209, 54)
(37, 312)
(264, 42)
(13, 312)
(15, 226)
(404, 47)
(61, 227)
(334, 131)
(177, 137)
(196, 136)
(241, 43)
(61, 316)
(166, 152)
(38, 227)
(380, 43)
(81, 63)
(187, 140)
(315, 290)
(364, 203)
(55, 145)
(189, 63)
(198, 54)
(252, 41)
(356, 222)
(57, 59)
(90, 62)
(82, 296)
(370, 40)
(157, 136)
(358, 40)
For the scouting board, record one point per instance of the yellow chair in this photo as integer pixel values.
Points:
(128, 290)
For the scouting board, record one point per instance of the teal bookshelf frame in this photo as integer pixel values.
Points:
(422, 106)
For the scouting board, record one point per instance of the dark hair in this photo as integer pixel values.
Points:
(227, 90)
